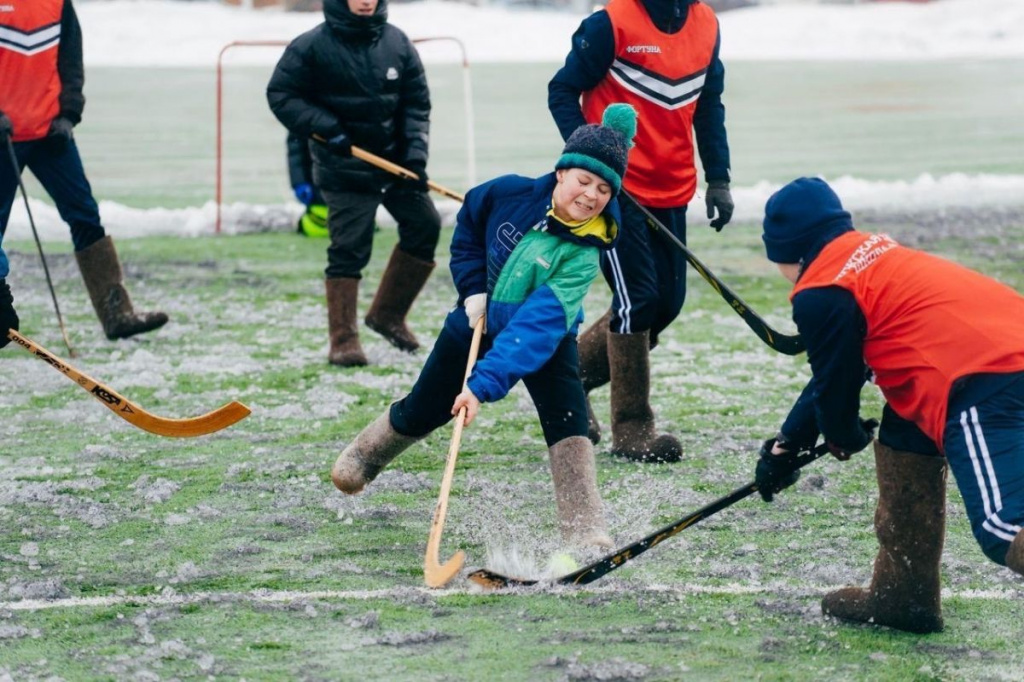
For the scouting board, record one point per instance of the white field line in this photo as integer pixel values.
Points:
(285, 596)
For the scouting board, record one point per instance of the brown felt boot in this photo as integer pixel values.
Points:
(910, 522)
(401, 283)
(1015, 555)
(574, 473)
(594, 370)
(633, 435)
(368, 454)
(345, 351)
(104, 281)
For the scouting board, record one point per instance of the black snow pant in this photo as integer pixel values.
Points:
(351, 217)
(556, 388)
(647, 275)
(58, 167)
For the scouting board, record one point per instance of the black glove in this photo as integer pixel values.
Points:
(719, 197)
(420, 169)
(6, 127)
(340, 144)
(60, 131)
(775, 472)
(8, 316)
(868, 427)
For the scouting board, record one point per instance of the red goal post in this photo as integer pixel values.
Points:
(467, 97)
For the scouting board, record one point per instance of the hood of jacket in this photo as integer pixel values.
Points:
(354, 27)
(668, 15)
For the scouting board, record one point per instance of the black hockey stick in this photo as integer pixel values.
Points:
(787, 345)
(606, 565)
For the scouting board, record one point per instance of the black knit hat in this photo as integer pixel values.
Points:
(602, 149)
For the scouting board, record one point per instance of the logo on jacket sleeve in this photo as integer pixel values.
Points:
(392, 74)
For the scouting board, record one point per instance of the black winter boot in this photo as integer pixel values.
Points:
(104, 279)
(910, 522)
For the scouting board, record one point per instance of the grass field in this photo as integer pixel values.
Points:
(127, 556)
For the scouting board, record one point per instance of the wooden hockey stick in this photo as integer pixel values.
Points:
(384, 164)
(435, 573)
(787, 345)
(607, 564)
(210, 422)
(395, 169)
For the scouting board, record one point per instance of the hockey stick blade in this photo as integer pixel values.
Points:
(208, 423)
(494, 581)
(782, 343)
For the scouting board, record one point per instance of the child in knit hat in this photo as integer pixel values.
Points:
(524, 253)
(945, 345)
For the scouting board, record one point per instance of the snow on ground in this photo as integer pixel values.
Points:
(921, 194)
(122, 32)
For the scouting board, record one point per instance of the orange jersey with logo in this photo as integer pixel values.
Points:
(929, 321)
(30, 85)
(662, 76)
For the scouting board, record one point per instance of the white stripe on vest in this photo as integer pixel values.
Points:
(29, 43)
(667, 93)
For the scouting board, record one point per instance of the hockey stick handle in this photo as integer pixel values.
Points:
(401, 172)
(785, 344)
(606, 565)
(436, 574)
(80, 378)
(395, 169)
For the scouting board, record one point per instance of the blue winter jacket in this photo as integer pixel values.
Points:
(541, 300)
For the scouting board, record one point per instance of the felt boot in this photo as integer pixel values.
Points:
(910, 522)
(345, 350)
(633, 434)
(1015, 555)
(104, 281)
(594, 370)
(401, 283)
(574, 474)
(368, 454)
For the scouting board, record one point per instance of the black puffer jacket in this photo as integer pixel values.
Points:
(357, 75)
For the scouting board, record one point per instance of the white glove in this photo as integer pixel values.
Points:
(476, 307)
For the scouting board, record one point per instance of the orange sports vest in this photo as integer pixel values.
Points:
(929, 321)
(662, 76)
(29, 82)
